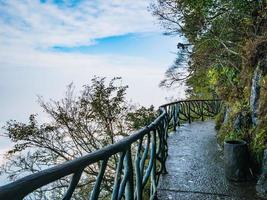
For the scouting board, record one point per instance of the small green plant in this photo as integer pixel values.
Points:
(234, 135)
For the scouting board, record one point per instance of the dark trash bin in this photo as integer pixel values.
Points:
(236, 160)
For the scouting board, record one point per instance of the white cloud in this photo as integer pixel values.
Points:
(30, 23)
(29, 29)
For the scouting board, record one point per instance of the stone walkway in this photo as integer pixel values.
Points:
(195, 168)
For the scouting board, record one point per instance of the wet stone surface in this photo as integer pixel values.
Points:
(196, 169)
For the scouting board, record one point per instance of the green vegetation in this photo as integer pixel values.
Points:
(224, 51)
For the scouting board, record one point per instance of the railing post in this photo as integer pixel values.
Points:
(96, 190)
(202, 111)
(153, 185)
(138, 191)
(129, 193)
(189, 113)
(178, 114)
(164, 148)
(117, 182)
(74, 182)
(174, 118)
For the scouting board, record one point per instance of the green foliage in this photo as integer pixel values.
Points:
(19, 131)
(218, 75)
(258, 145)
(141, 117)
(199, 87)
(232, 135)
(219, 118)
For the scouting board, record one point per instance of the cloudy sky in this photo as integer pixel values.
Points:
(46, 44)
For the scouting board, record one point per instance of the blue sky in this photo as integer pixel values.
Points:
(152, 45)
(47, 44)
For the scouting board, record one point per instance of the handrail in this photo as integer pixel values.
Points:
(130, 178)
(189, 100)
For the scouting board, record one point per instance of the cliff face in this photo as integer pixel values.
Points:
(245, 117)
(258, 103)
(255, 94)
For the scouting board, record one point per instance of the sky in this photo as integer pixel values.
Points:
(47, 44)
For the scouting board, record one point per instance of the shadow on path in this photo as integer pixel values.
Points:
(195, 167)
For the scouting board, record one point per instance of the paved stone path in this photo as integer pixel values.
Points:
(195, 168)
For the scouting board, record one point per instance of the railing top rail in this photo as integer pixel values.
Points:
(190, 100)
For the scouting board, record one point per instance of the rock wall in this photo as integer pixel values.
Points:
(255, 95)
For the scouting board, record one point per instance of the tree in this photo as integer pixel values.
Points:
(178, 72)
(217, 34)
(78, 125)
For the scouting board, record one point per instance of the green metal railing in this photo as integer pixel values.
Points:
(141, 158)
